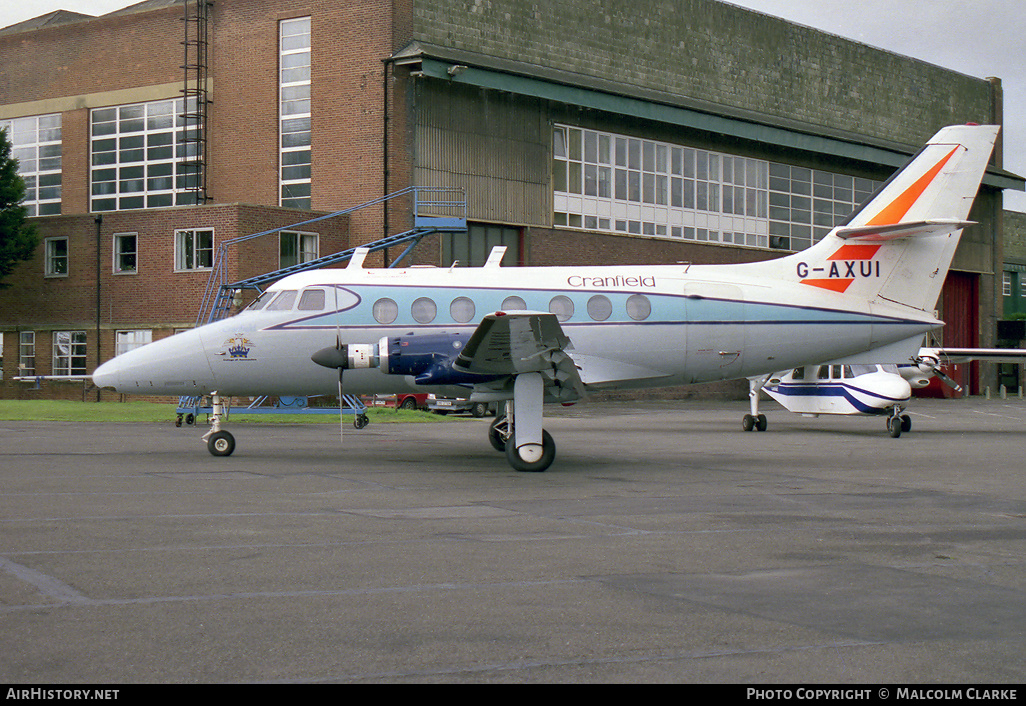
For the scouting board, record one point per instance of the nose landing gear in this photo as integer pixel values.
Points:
(219, 441)
(898, 422)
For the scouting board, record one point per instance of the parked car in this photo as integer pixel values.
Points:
(456, 405)
(404, 400)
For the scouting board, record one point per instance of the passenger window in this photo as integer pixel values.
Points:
(562, 307)
(283, 301)
(824, 372)
(514, 304)
(798, 374)
(462, 309)
(312, 300)
(385, 311)
(639, 307)
(600, 308)
(424, 311)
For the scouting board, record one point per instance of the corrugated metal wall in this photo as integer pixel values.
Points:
(495, 145)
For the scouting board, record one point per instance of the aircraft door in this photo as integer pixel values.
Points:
(715, 331)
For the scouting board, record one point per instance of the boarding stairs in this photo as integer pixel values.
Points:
(434, 210)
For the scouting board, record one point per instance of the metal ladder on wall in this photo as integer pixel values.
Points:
(435, 210)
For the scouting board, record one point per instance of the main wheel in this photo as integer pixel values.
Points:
(221, 443)
(761, 423)
(548, 455)
(495, 437)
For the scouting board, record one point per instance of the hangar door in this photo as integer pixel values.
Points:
(960, 302)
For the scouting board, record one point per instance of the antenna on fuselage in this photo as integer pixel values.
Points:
(356, 261)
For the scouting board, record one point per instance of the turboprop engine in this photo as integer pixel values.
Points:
(427, 358)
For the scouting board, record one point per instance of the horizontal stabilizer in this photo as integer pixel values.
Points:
(939, 226)
(965, 355)
(889, 354)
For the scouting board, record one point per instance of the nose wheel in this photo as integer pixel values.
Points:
(897, 423)
(221, 443)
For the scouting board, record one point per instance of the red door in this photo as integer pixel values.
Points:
(960, 311)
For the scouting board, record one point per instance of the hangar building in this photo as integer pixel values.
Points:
(578, 132)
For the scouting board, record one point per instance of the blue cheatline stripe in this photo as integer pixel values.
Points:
(836, 390)
(665, 309)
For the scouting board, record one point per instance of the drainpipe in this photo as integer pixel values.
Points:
(384, 150)
(99, 223)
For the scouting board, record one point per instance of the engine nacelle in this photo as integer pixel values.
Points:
(428, 358)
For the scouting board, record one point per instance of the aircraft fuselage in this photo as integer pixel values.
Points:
(630, 326)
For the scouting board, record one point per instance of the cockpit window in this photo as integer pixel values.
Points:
(312, 300)
(261, 301)
(283, 301)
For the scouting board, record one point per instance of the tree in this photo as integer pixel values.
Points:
(18, 239)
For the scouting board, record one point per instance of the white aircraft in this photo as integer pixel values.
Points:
(524, 336)
(874, 390)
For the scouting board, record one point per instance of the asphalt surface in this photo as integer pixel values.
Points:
(664, 545)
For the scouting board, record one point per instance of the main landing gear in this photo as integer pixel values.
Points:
(518, 433)
(755, 420)
(898, 422)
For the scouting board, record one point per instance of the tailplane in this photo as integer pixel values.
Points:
(898, 246)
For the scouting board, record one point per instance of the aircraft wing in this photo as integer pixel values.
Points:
(511, 343)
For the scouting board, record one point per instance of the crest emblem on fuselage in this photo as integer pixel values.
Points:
(238, 347)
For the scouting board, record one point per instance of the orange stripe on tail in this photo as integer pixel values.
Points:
(896, 210)
(855, 251)
(834, 284)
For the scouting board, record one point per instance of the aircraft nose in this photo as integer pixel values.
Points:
(108, 375)
(176, 365)
(894, 387)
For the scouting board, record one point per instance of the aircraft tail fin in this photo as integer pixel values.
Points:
(899, 245)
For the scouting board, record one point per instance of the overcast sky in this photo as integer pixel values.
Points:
(979, 38)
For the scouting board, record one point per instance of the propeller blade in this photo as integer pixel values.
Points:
(948, 380)
(341, 415)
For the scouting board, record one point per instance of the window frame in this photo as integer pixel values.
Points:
(26, 353)
(75, 361)
(37, 144)
(295, 156)
(180, 250)
(50, 269)
(141, 156)
(618, 183)
(129, 339)
(118, 252)
(301, 242)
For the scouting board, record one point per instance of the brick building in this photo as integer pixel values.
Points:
(581, 132)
